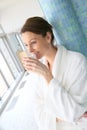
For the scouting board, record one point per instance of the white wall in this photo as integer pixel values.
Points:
(14, 17)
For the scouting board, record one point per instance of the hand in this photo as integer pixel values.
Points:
(58, 120)
(85, 115)
(34, 65)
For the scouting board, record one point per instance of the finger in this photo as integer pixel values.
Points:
(29, 64)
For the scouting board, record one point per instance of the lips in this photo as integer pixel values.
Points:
(38, 56)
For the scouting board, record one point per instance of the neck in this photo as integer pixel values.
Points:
(50, 56)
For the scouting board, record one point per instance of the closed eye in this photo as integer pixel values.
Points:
(33, 42)
(26, 45)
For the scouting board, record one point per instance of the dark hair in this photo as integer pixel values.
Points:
(37, 25)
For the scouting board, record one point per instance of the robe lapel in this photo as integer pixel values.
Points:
(60, 64)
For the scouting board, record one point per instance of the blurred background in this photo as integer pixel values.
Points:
(69, 21)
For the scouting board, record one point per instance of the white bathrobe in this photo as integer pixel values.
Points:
(66, 95)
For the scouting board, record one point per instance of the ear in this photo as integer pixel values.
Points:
(48, 37)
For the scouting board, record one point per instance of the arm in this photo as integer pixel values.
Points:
(43, 118)
(69, 104)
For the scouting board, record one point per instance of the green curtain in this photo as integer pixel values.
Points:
(69, 20)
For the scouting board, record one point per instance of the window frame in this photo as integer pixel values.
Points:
(6, 97)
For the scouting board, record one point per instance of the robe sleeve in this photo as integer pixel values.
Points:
(44, 119)
(69, 104)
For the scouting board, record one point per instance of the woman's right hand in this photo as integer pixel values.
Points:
(34, 65)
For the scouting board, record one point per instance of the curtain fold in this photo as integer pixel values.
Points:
(69, 20)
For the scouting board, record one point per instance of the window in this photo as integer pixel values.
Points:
(3, 85)
(16, 46)
(11, 69)
(1, 30)
(6, 70)
(8, 57)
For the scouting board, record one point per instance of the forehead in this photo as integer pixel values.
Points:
(29, 36)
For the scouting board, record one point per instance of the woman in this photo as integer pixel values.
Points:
(59, 78)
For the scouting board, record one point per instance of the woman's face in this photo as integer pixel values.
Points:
(37, 44)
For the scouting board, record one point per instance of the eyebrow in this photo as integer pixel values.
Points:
(32, 39)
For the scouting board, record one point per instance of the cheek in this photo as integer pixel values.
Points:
(39, 46)
(42, 46)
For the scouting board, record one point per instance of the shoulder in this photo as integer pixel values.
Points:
(73, 59)
(76, 57)
(76, 61)
(73, 55)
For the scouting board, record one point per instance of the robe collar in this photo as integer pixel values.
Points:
(56, 63)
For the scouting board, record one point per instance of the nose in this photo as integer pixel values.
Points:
(30, 48)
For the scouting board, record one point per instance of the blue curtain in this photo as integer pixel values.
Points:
(69, 20)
